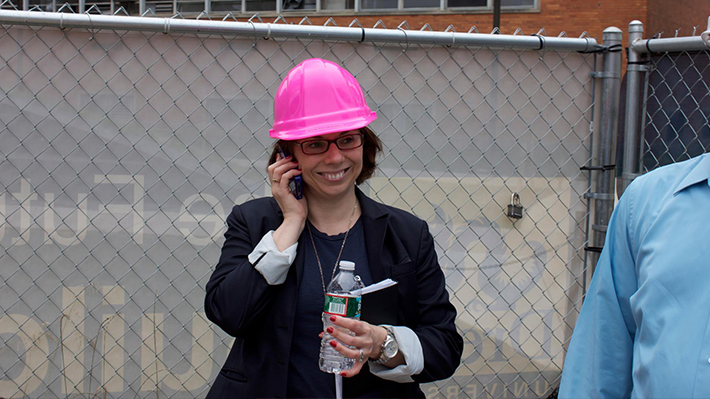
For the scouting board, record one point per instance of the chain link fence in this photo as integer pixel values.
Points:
(122, 152)
(677, 108)
(668, 101)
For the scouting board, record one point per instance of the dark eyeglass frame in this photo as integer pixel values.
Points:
(335, 141)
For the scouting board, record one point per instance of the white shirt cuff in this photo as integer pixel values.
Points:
(270, 262)
(411, 348)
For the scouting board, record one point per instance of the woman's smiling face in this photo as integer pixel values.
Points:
(332, 173)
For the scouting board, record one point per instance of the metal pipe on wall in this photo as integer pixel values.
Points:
(496, 14)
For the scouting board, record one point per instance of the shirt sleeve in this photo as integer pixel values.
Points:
(270, 262)
(411, 348)
(598, 363)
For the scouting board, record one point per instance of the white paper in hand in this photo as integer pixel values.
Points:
(374, 287)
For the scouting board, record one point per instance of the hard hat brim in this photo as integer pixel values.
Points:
(302, 129)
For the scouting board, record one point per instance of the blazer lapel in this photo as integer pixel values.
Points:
(300, 260)
(374, 222)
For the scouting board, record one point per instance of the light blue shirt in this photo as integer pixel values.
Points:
(644, 329)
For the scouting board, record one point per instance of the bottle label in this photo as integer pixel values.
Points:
(340, 305)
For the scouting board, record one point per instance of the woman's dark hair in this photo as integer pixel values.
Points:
(371, 148)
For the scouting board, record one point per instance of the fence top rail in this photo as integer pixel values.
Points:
(671, 44)
(288, 31)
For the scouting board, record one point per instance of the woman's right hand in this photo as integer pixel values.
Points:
(295, 211)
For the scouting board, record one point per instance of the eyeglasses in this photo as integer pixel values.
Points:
(319, 146)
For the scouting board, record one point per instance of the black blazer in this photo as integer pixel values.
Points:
(261, 316)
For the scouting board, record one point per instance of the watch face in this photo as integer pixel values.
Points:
(391, 349)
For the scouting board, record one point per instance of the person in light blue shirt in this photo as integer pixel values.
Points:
(644, 328)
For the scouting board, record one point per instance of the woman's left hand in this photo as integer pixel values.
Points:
(367, 341)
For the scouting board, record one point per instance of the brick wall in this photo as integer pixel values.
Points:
(571, 16)
(669, 15)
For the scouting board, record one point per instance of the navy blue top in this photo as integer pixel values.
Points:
(305, 380)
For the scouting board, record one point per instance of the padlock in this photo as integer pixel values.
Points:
(515, 209)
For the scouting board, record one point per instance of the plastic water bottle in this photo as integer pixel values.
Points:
(339, 302)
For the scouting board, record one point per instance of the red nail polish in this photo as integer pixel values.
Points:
(342, 374)
(332, 318)
(333, 344)
(329, 329)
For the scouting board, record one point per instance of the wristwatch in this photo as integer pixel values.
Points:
(389, 349)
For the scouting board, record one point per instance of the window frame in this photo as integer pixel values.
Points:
(357, 8)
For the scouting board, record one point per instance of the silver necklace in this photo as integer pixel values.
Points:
(320, 268)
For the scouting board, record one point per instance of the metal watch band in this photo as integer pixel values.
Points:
(390, 337)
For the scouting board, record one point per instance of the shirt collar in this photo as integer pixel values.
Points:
(699, 173)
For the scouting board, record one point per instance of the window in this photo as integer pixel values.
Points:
(468, 3)
(337, 4)
(260, 5)
(286, 6)
(422, 4)
(378, 4)
(484, 3)
(518, 3)
(291, 5)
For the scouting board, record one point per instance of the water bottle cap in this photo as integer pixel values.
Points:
(347, 265)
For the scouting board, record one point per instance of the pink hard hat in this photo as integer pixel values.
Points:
(318, 97)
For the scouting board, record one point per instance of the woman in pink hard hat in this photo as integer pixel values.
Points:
(281, 252)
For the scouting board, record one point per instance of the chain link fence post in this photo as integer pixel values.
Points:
(609, 122)
(635, 68)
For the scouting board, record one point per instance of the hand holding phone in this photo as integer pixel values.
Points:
(295, 184)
